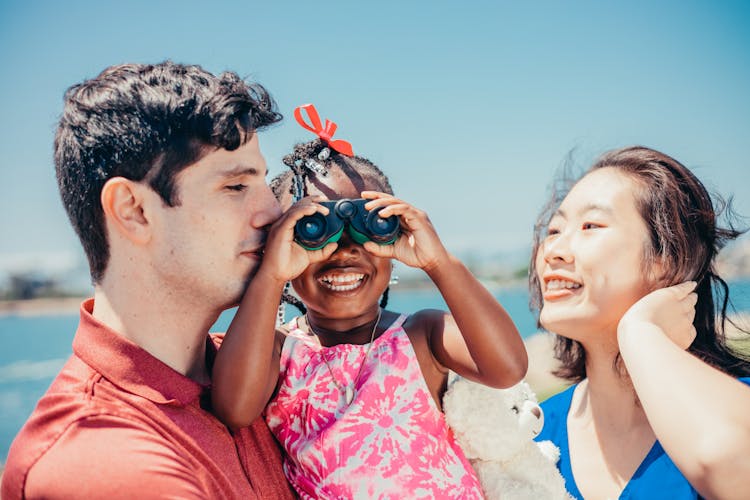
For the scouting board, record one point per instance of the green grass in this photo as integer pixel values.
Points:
(546, 392)
(741, 346)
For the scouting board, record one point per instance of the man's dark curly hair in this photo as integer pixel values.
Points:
(146, 122)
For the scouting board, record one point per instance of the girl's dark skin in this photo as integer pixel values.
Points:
(478, 340)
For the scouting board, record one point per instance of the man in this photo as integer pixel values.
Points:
(163, 180)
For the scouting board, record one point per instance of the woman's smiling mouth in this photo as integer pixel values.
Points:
(558, 284)
(557, 287)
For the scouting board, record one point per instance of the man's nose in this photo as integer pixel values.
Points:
(265, 209)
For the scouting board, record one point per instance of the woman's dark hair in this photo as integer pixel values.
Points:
(684, 238)
(146, 122)
(310, 161)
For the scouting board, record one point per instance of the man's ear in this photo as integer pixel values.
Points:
(122, 200)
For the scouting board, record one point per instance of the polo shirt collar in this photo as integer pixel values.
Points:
(130, 367)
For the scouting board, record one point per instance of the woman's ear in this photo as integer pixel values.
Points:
(658, 273)
(122, 201)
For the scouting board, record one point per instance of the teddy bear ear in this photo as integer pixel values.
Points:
(531, 418)
(452, 378)
(524, 391)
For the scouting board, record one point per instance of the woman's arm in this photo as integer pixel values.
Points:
(479, 340)
(700, 415)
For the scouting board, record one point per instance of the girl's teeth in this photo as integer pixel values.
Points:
(342, 282)
(342, 288)
(560, 284)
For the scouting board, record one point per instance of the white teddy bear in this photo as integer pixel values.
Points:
(495, 429)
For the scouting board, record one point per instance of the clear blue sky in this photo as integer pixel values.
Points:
(468, 106)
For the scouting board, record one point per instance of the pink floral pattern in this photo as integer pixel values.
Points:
(392, 442)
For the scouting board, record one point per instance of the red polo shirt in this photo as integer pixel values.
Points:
(119, 423)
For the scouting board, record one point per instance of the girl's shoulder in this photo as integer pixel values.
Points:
(290, 331)
(425, 320)
(291, 327)
(420, 327)
(429, 324)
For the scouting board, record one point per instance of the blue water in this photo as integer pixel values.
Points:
(35, 347)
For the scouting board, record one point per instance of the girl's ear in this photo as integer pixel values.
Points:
(122, 200)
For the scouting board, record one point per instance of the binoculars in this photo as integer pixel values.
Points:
(315, 231)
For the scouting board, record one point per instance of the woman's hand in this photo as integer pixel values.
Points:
(698, 413)
(418, 245)
(671, 309)
(283, 258)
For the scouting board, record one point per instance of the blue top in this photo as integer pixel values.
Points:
(656, 477)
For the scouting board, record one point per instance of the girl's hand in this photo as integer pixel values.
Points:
(419, 245)
(283, 258)
(671, 309)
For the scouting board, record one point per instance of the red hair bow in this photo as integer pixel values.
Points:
(325, 133)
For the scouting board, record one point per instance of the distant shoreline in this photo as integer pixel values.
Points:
(51, 306)
(41, 307)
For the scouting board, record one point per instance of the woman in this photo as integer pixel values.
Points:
(623, 273)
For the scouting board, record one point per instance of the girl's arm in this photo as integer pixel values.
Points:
(246, 369)
(247, 365)
(478, 340)
(700, 415)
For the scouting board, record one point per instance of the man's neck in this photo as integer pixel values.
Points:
(171, 332)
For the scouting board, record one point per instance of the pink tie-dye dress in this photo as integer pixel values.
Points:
(391, 442)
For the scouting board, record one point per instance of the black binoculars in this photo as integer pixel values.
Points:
(315, 231)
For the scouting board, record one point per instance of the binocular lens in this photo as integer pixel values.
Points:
(312, 227)
(382, 229)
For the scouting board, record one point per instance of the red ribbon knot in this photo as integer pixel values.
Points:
(317, 128)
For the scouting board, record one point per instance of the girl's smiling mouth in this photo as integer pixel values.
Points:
(341, 281)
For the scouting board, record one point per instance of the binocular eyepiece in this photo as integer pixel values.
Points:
(315, 231)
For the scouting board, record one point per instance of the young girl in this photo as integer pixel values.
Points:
(659, 409)
(355, 390)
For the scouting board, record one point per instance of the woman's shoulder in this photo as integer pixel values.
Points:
(559, 401)
(555, 410)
